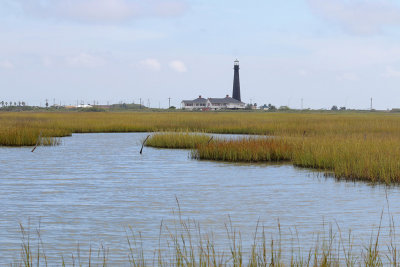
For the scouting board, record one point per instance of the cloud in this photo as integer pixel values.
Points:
(168, 8)
(303, 72)
(348, 77)
(98, 10)
(178, 66)
(47, 61)
(6, 64)
(358, 17)
(85, 60)
(391, 73)
(102, 11)
(151, 64)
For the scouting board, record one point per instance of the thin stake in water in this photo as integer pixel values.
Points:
(38, 140)
(141, 150)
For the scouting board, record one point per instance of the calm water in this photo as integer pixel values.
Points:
(93, 186)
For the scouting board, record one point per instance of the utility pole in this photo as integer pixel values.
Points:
(302, 104)
(140, 103)
(169, 102)
(371, 103)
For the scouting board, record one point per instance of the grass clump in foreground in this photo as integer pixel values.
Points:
(177, 140)
(185, 244)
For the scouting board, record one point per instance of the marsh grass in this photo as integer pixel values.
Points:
(246, 150)
(184, 243)
(177, 140)
(351, 158)
(33, 253)
(29, 125)
(27, 137)
(374, 160)
(357, 146)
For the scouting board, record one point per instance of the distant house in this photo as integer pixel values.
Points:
(84, 106)
(198, 103)
(78, 106)
(227, 102)
(212, 103)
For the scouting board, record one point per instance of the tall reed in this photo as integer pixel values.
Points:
(184, 243)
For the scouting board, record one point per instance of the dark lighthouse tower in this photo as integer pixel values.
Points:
(236, 81)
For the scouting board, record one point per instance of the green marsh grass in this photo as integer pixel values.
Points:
(177, 140)
(280, 124)
(246, 150)
(359, 146)
(373, 160)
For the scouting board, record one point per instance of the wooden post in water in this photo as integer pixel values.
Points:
(141, 150)
(37, 142)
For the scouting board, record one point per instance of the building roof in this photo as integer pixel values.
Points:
(225, 100)
(199, 100)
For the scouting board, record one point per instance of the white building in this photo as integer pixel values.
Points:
(212, 103)
(84, 106)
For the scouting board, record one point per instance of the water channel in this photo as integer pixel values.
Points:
(92, 187)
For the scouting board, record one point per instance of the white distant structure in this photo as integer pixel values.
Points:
(212, 103)
(234, 102)
(84, 106)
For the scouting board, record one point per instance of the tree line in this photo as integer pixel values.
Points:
(12, 104)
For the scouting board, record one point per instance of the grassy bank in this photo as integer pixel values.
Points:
(246, 150)
(350, 145)
(177, 140)
(374, 160)
(280, 124)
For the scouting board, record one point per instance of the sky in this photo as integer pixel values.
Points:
(316, 52)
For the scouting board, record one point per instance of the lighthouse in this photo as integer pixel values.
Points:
(236, 81)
